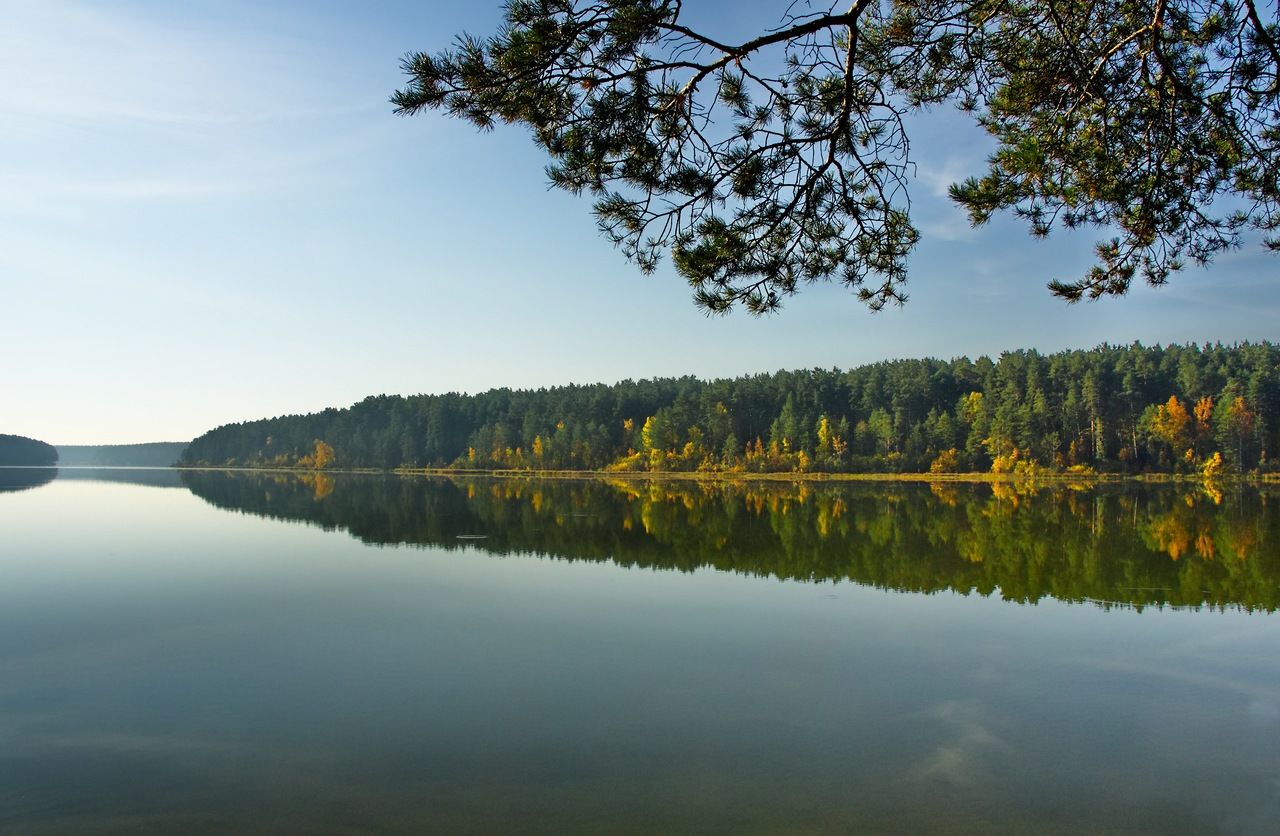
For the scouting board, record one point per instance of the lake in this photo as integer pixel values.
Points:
(204, 651)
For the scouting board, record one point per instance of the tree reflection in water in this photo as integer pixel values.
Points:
(1131, 545)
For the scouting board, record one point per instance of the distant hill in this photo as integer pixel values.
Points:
(154, 454)
(20, 450)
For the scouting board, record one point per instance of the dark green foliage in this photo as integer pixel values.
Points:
(1088, 408)
(1158, 120)
(1110, 545)
(26, 452)
(784, 159)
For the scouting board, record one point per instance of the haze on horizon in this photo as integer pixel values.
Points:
(210, 214)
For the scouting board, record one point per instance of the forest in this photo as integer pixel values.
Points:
(1131, 409)
(17, 450)
(152, 454)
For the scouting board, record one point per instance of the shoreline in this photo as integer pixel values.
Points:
(784, 476)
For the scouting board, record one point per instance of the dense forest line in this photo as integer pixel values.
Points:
(1129, 409)
(1110, 544)
(20, 451)
(152, 454)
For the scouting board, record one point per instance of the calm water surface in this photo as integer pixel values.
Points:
(204, 652)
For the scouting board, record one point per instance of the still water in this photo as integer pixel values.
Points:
(204, 652)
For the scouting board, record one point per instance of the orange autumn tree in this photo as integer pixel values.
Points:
(1203, 429)
(319, 458)
(1171, 424)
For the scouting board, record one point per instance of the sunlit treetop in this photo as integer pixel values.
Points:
(784, 159)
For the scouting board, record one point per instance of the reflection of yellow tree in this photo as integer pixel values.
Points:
(945, 493)
(1204, 543)
(829, 513)
(1170, 533)
(1012, 492)
(1213, 490)
(1183, 529)
(321, 483)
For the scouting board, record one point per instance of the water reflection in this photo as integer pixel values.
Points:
(168, 667)
(151, 477)
(22, 478)
(1112, 545)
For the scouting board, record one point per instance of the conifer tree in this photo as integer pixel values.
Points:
(766, 163)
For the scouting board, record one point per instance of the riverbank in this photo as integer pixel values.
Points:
(782, 476)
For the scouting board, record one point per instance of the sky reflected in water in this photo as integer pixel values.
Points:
(170, 665)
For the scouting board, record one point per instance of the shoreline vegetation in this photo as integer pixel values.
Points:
(1176, 412)
(1041, 479)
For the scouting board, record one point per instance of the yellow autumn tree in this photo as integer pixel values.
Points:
(319, 458)
(1172, 424)
(971, 407)
(1203, 428)
(948, 461)
(831, 445)
(1005, 462)
(825, 432)
(323, 455)
(648, 433)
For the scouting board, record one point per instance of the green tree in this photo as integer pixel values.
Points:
(881, 426)
(1236, 424)
(784, 158)
(785, 430)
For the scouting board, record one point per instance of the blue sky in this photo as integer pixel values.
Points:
(209, 213)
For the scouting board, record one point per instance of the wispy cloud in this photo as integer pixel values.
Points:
(969, 750)
(91, 63)
(937, 216)
(938, 176)
(950, 227)
(101, 107)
